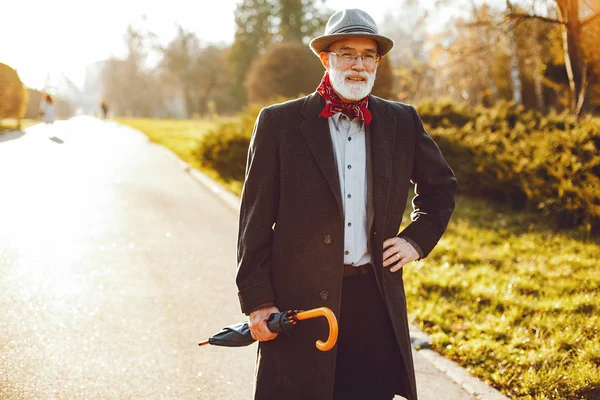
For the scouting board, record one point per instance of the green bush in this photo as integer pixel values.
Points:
(225, 148)
(445, 114)
(546, 164)
(550, 164)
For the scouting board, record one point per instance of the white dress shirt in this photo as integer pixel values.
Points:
(349, 147)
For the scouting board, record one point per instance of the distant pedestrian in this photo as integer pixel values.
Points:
(104, 108)
(47, 109)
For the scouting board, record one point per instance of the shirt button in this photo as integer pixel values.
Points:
(349, 196)
(349, 166)
(349, 223)
(346, 252)
(324, 295)
(327, 239)
(349, 139)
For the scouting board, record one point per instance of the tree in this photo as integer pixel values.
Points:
(128, 85)
(590, 42)
(209, 77)
(13, 96)
(193, 71)
(406, 26)
(514, 61)
(179, 59)
(299, 20)
(538, 52)
(471, 63)
(262, 23)
(254, 31)
(288, 69)
(385, 83)
(573, 18)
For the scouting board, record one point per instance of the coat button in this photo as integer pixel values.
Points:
(327, 239)
(324, 295)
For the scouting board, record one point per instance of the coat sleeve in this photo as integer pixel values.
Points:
(258, 211)
(435, 189)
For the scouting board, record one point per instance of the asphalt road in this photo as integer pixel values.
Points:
(114, 264)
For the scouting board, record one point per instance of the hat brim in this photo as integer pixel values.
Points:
(322, 43)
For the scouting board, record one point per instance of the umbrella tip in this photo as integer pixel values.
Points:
(203, 343)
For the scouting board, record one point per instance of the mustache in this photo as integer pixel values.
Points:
(356, 74)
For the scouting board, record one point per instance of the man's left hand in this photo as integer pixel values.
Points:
(398, 252)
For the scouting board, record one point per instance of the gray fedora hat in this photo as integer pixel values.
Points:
(351, 23)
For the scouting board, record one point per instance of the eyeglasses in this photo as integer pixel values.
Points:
(369, 59)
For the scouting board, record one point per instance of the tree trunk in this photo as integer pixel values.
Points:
(491, 81)
(488, 55)
(573, 53)
(514, 60)
(538, 77)
(187, 98)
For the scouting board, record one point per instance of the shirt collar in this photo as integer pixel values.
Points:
(355, 125)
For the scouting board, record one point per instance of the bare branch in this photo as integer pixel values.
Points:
(589, 5)
(590, 19)
(493, 26)
(582, 90)
(464, 53)
(520, 16)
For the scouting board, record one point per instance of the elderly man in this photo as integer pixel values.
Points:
(327, 181)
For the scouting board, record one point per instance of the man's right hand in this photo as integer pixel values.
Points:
(258, 324)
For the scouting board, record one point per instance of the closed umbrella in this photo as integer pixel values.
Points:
(239, 334)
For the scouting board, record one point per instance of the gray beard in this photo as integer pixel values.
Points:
(351, 91)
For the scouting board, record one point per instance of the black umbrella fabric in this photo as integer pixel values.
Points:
(239, 334)
(231, 336)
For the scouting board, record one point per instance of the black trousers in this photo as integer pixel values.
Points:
(368, 363)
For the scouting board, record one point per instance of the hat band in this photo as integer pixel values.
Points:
(355, 29)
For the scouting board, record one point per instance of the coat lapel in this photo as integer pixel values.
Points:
(315, 130)
(382, 133)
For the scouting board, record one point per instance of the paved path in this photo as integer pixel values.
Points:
(114, 263)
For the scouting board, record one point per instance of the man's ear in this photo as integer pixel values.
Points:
(324, 56)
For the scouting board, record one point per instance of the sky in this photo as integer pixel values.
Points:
(67, 35)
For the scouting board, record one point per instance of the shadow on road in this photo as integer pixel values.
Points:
(11, 135)
(56, 139)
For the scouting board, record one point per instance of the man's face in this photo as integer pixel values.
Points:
(351, 77)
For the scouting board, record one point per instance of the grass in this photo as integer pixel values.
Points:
(181, 137)
(502, 294)
(511, 300)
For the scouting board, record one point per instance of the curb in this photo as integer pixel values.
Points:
(420, 341)
(472, 385)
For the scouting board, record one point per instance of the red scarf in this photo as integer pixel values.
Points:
(335, 105)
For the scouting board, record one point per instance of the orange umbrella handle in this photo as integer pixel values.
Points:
(333, 325)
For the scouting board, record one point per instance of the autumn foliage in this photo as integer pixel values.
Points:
(287, 69)
(545, 164)
(13, 96)
(549, 165)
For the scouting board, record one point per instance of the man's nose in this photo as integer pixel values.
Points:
(358, 64)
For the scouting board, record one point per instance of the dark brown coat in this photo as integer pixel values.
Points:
(291, 243)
